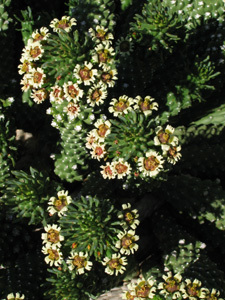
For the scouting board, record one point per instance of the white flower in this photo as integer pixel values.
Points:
(72, 110)
(165, 137)
(85, 74)
(33, 51)
(102, 129)
(121, 106)
(115, 265)
(100, 34)
(43, 35)
(52, 235)
(72, 91)
(56, 95)
(129, 216)
(65, 23)
(151, 164)
(108, 76)
(173, 154)
(79, 262)
(126, 242)
(144, 289)
(108, 171)
(145, 105)
(121, 168)
(39, 95)
(37, 77)
(104, 53)
(96, 95)
(192, 290)
(171, 285)
(59, 205)
(54, 255)
(98, 151)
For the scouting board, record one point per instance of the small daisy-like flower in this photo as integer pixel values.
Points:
(102, 129)
(79, 262)
(37, 77)
(124, 46)
(171, 285)
(213, 295)
(85, 74)
(56, 95)
(25, 66)
(72, 91)
(42, 35)
(26, 83)
(193, 290)
(59, 205)
(34, 51)
(151, 164)
(100, 34)
(128, 295)
(121, 168)
(144, 289)
(104, 54)
(108, 76)
(52, 235)
(129, 216)
(145, 105)
(65, 23)
(98, 151)
(96, 95)
(121, 106)
(72, 110)
(17, 296)
(165, 137)
(39, 95)
(108, 171)
(54, 255)
(91, 139)
(173, 154)
(127, 242)
(115, 265)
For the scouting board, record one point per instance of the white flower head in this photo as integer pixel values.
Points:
(127, 242)
(129, 216)
(151, 164)
(145, 105)
(37, 77)
(72, 110)
(144, 289)
(54, 255)
(52, 235)
(79, 262)
(121, 106)
(100, 34)
(115, 265)
(171, 285)
(104, 54)
(65, 23)
(85, 73)
(96, 95)
(98, 151)
(165, 137)
(72, 91)
(121, 168)
(42, 35)
(108, 171)
(108, 76)
(60, 204)
(103, 128)
(33, 51)
(39, 95)
(172, 153)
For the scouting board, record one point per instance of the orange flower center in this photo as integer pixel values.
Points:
(108, 171)
(96, 95)
(121, 105)
(85, 73)
(37, 77)
(72, 91)
(102, 129)
(62, 24)
(171, 286)
(79, 262)
(142, 291)
(114, 263)
(151, 163)
(98, 151)
(121, 168)
(35, 52)
(60, 203)
(127, 241)
(163, 137)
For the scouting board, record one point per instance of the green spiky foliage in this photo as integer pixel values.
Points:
(92, 225)
(5, 19)
(7, 141)
(28, 194)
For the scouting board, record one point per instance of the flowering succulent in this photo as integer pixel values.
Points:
(129, 216)
(52, 235)
(127, 242)
(142, 289)
(171, 285)
(54, 255)
(133, 145)
(192, 290)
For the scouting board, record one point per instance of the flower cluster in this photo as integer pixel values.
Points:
(172, 287)
(132, 144)
(73, 85)
(126, 243)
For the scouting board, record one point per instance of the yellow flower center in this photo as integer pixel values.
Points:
(79, 262)
(163, 137)
(60, 203)
(121, 168)
(85, 73)
(53, 236)
(35, 52)
(53, 254)
(142, 290)
(102, 129)
(121, 105)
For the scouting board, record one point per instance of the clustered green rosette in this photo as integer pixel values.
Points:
(172, 286)
(89, 230)
(133, 144)
(74, 72)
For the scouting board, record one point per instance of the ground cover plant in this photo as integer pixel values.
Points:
(112, 149)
